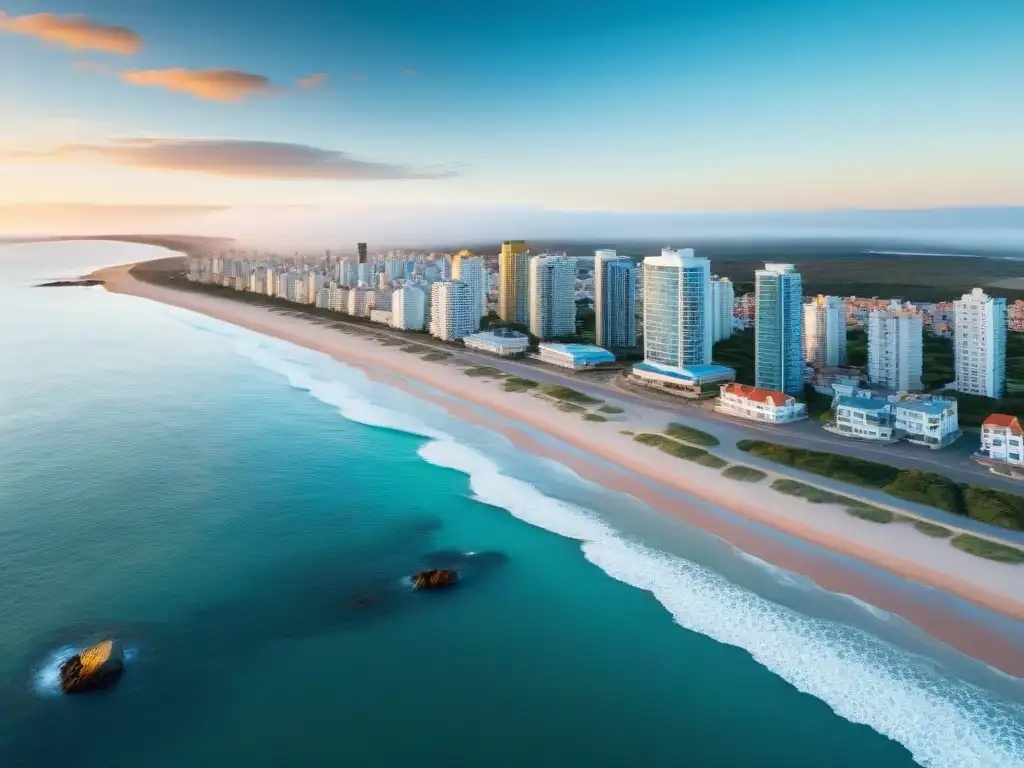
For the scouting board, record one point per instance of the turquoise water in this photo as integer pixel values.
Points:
(243, 513)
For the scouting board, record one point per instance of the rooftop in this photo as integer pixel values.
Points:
(933, 406)
(1003, 420)
(690, 373)
(581, 351)
(759, 395)
(864, 403)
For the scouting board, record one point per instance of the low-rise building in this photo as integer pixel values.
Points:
(574, 356)
(758, 404)
(919, 419)
(1002, 439)
(503, 342)
(693, 381)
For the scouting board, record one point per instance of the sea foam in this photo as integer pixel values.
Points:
(942, 721)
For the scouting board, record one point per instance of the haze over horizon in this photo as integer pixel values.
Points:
(606, 115)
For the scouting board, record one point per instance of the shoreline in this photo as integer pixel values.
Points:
(648, 474)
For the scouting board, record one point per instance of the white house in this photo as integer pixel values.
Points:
(757, 404)
(864, 418)
(920, 419)
(1002, 439)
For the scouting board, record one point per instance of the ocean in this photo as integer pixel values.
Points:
(244, 515)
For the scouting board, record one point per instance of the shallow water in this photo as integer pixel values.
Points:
(243, 513)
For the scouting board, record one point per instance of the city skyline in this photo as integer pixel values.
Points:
(864, 107)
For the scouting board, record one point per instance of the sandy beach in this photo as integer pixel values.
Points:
(657, 479)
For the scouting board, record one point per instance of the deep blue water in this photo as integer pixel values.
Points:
(243, 513)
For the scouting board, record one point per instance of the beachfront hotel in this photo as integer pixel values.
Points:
(472, 271)
(514, 282)
(723, 297)
(778, 340)
(757, 404)
(895, 338)
(552, 296)
(825, 332)
(614, 300)
(979, 344)
(452, 312)
(677, 316)
(1002, 439)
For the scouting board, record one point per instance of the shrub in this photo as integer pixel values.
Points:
(611, 409)
(744, 474)
(569, 395)
(517, 384)
(807, 492)
(870, 513)
(681, 451)
(484, 370)
(931, 529)
(594, 417)
(691, 435)
(990, 550)
(869, 474)
(570, 407)
(994, 507)
(927, 488)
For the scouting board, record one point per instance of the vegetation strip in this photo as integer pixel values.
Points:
(744, 474)
(691, 435)
(1005, 510)
(681, 451)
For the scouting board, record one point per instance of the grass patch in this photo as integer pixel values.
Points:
(611, 409)
(436, 356)
(519, 384)
(481, 371)
(999, 508)
(871, 514)
(933, 530)
(852, 507)
(416, 349)
(629, 432)
(744, 474)
(570, 407)
(691, 435)
(990, 550)
(594, 417)
(681, 451)
(568, 395)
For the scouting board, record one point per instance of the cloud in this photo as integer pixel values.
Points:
(92, 66)
(232, 157)
(229, 85)
(311, 81)
(77, 32)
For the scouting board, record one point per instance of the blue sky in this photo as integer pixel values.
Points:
(652, 105)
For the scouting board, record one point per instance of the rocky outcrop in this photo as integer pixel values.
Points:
(435, 578)
(94, 668)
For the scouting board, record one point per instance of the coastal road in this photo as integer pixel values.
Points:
(953, 461)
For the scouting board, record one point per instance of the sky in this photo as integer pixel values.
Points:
(554, 105)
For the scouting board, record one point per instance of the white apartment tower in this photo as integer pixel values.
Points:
(677, 316)
(825, 332)
(552, 296)
(778, 337)
(408, 308)
(473, 272)
(979, 344)
(452, 311)
(614, 300)
(895, 337)
(722, 299)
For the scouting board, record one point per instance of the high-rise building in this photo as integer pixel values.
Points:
(895, 339)
(722, 299)
(472, 271)
(408, 308)
(552, 296)
(778, 338)
(979, 344)
(452, 314)
(614, 300)
(514, 282)
(361, 249)
(677, 316)
(825, 332)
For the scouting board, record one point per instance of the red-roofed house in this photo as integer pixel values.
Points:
(758, 404)
(1002, 439)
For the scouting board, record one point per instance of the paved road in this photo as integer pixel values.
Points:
(953, 462)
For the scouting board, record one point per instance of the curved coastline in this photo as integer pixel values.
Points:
(641, 473)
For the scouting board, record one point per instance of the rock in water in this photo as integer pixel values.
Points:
(435, 578)
(97, 667)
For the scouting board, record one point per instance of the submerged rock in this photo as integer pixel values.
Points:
(94, 668)
(435, 578)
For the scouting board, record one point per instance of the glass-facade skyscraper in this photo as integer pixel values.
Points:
(677, 312)
(779, 338)
(614, 300)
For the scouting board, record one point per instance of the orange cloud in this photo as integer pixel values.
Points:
(212, 84)
(76, 32)
(311, 81)
(232, 157)
(92, 66)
